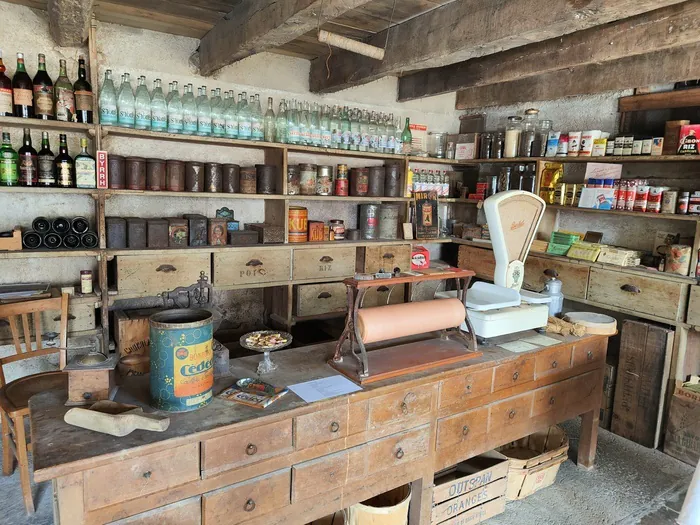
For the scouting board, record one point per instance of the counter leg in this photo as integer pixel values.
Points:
(421, 501)
(589, 439)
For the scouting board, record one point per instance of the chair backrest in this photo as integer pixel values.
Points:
(19, 314)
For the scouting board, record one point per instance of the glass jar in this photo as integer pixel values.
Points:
(486, 145)
(529, 132)
(539, 146)
(504, 178)
(512, 139)
(499, 139)
(437, 144)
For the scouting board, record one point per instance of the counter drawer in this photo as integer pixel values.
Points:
(153, 274)
(387, 257)
(321, 426)
(517, 372)
(320, 299)
(553, 361)
(507, 418)
(251, 266)
(407, 408)
(378, 296)
(589, 351)
(138, 477)
(464, 388)
(315, 263)
(318, 476)
(550, 399)
(186, 512)
(234, 450)
(461, 436)
(585, 392)
(574, 276)
(480, 260)
(396, 450)
(250, 499)
(652, 296)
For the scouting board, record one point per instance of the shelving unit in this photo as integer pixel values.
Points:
(621, 213)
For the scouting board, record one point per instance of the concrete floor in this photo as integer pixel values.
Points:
(631, 485)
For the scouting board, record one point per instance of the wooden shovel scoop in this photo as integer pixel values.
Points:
(116, 419)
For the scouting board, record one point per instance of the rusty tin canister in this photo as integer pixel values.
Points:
(267, 178)
(231, 178)
(194, 176)
(359, 182)
(213, 182)
(182, 359)
(375, 185)
(249, 180)
(136, 233)
(155, 174)
(298, 224)
(115, 172)
(175, 175)
(388, 221)
(158, 232)
(135, 173)
(392, 181)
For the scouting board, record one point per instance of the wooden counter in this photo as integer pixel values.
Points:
(294, 462)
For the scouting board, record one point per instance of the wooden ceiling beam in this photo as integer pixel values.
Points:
(467, 29)
(659, 67)
(660, 29)
(254, 26)
(69, 21)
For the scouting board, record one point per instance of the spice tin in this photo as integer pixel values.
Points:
(669, 200)
(135, 173)
(231, 178)
(341, 171)
(655, 199)
(136, 233)
(324, 180)
(293, 180)
(175, 175)
(375, 186)
(194, 176)
(157, 233)
(242, 238)
(352, 235)
(392, 181)
(178, 233)
(217, 232)
(267, 178)
(369, 221)
(307, 179)
(248, 180)
(359, 182)
(341, 187)
(388, 221)
(213, 182)
(155, 174)
(298, 224)
(115, 172)
(337, 230)
(197, 229)
(316, 231)
(116, 232)
(267, 233)
(182, 359)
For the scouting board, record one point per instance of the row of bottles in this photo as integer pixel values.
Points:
(27, 167)
(43, 99)
(224, 116)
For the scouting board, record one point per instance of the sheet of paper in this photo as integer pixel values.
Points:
(518, 346)
(325, 388)
(600, 170)
(541, 340)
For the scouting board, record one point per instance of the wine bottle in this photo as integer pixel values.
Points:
(71, 241)
(79, 225)
(60, 225)
(47, 175)
(63, 93)
(9, 163)
(85, 167)
(89, 240)
(22, 91)
(43, 92)
(41, 225)
(64, 166)
(52, 241)
(5, 91)
(28, 162)
(84, 98)
(31, 240)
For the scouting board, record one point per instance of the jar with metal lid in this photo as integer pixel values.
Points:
(213, 182)
(155, 174)
(267, 178)
(175, 175)
(194, 176)
(135, 173)
(231, 178)
(308, 179)
(337, 229)
(85, 281)
(248, 180)
(499, 141)
(504, 178)
(293, 180)
(512, 137)
(359, 182)
(324, 180)
(529, 133)
(375, 181)
(389, 221)
(539, 146)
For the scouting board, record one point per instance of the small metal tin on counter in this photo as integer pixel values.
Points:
(217, 232)
(231, 178)
(375, 184)
(175, 175)
(115, 172)
(135, 173)
(389, 221)
(298, 224)
(266, 179)
(178, 232)
(359, 182)
(392, 181)
(337, 230)
(369, 221)
(213, 182)
(197, 229)
(116, 232)
(324, 180)
(352, 235)
(307, 179)
(155, 174)
(248, 180)
(293, 180)
(194, 176)
(157, 233)
(136, 233)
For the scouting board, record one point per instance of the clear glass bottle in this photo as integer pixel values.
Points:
(108, 101)
(326, 133)
(293, 131)
(281, 123)
(390, 135)
(345, 129)
(315, 126)
(169, 95)
(231, 117)
(203, 114)
(305, 125)
(336, 132)
(64, 99)
(245, 125)
(364, 131)
(355, 130)
(374, 139)
(175, 112)
(189, 111)
(382, 134)
(512, 139)
(125, 103)
(529, 133)
(270, 121)
(257, 121)
(142, 105)
(159, 108)
(218, 122)
(85, 173)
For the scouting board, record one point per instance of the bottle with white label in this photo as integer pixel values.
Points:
(108, 101)
(85, 173)
(189, 112)
(142, 105)
(159, 108)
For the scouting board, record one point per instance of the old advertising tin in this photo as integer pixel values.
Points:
(307, 179)
(135, 173)
(197, 229)
(115, 172)
(359, 182)
(316, 231)
(369, 221)
(375, 185)
(298, 224)
(242, 237)
(116, 232)
(341, 187)
(392, 181)
(175, 175)
(337, 230)
(178, 232)
(267, 233)
(267, 178)
(157, 233)
(213, 181)
(155, 174)
(248, 180)
(194, 176)
(217, 232)
(293, 180)
(324, 180)
(388, 221)
(136, 233)
(231, 178)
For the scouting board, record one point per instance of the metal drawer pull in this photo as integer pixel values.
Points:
(249, 505)
(399, 453)
(324, 295)
(469, 389)
(71, 317)
(251, 449)
(388, 256)
(326, 259)
(630, 288)
(465, 430)
(254, 262)
(589, 355)
(511, 414)
(147, 474)
(335, 427)
(383, 288)
(554, 364)
(515, 376)
(166, 268)
(404, 404)
(87, 395)
(551, 400)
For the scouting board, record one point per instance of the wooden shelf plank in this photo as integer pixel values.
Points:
(46, 125)
(37, 254)
(564, 160)
(337, 198)
(639, 215)
(52, 191)
(682, 98)
(298, 148)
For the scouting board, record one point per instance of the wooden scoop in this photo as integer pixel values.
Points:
(115, 419)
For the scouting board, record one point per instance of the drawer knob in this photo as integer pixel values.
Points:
(147, 474)
(249, 505)
(166, 268)
(465, 430)
(554, 364)
(551, 400)
(71, 317)
(589, 355)
(399, 453)
(630, 288)
(511, 414)
(469, 389)
(388, 256)
(87, 395)
(251, 449)
(324, 295)
(254, 262)
(326, 259)
(335, 427)
(516, 375)
(404, 408)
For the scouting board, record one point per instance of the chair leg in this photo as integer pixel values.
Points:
(23, 460)
(8, 458)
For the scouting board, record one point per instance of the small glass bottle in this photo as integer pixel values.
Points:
(189, 111)
(529, 133)
(175, 116)
(203, 113)
(512, 138)
(47, 175)
(231, 117)
(218, 122)
(257, 125)
(142, 105)
(281, 123)
(85, 174)
(406, 138)
(108, 101)
(63, 164)
(28, 162)
(159, 108)
(269, 126)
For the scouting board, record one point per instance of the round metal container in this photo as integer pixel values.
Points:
(324, 180)
(359, 182)
(307, 179)
(248, 180)
(182, 368)
(267, 178)
(175, 175)
(194, 176)
(369, 221)
(231, 178)
(389, 221)
(341, 187)
(135, 173)
(298, 224)
(293, 180)
(213, 182)
(155, 174)
(352, 235)
(392, 181)
(341, 171)
(116, 172)
(375, 186)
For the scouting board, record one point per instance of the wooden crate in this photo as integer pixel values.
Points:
(642, 375)
(683, 427)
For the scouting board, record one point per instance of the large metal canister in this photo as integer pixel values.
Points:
(389, 221)
(182, 359)
(298, 224)
(369, 221)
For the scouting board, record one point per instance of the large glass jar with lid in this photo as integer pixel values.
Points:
(539, 146)
(529, 132)
(512, 142)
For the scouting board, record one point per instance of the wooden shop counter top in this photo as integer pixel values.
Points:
(294, 462)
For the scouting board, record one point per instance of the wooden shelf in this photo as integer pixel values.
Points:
(47, 125)
(449, 162)
(640, 215)
(336, 198)
(34, 254)
(298, 148)
(52, 191)
(459, 201)
(563, 160)
(680, 98)
(195, 195)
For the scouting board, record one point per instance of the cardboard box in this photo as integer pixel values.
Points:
(689, 140)
(131, 331)
(420, 258)
(467, 146)
(683, 426)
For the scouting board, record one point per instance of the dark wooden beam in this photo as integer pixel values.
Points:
(467, 29)
(258, 25)
(69, 21)
(660, 29)
(660, 67)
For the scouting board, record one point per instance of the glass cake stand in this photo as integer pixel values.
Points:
(266, 365)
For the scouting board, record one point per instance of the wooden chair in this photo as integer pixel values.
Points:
(14, 396)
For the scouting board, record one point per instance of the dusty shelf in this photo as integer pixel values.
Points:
(621, 213)
(47, 125)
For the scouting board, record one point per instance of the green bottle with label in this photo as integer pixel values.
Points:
(9, 163)
(406, 138)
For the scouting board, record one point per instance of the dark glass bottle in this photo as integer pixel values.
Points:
(47, 173)
(22, 91)
(65, 175)
(5, 91)
(9, 163)
(43, 92)
(28, 162)
(83, 94)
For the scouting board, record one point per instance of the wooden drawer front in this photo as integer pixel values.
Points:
(584, 390)
(321, 426)
(647, 295)
(138, 477)
(480, 260)
(462, 431)
(694, 306)
(508, 416)
(319, 299)
(248, 446)
(395, 450)
(323, 262)
(574, 276)
(407, 408)
(153, 274)
(550, 399)
(514, 373)
(553, 361)
(251, 267)
(589, 351)
(186, 512)
(250, 499)
(378, 296)
(311, 478)
(462, 389)
(387, 258)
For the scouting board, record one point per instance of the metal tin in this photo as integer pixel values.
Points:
(375, 185)
(352, 235)
(392, 181)
(341, 171)
(369, 221)
(267, 178)
(182, 359)
(157, 233)
(669, 201)
(178, 233)
(217, 232)
(316, 231)
(136, 233)
(248, 180)
(267, 233)
(194, 176)
(298, 224)
(116, 232)
(231, 178)
(388, 221)
(293, 180)
(197, 229)
(155, 174)
(324, 180)
(115, 172)
(242, 238)
(307, 179)
(337, 230)
(175, 175)
(213, 182)
(359, 182)
(341, 187)
(135, 173)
